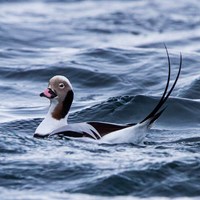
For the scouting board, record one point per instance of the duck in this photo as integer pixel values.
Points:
(60, 94)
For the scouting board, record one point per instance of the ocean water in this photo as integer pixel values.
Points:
(113, 53)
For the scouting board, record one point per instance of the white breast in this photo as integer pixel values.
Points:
(49, 124)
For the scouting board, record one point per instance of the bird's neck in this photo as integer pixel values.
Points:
(52, 120)
(57, 115)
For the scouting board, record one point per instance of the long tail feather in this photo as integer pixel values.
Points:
(154, 114)
(155, 117)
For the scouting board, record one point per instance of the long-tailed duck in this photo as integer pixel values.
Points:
(60, 93)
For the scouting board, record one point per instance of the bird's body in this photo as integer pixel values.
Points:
(60, 93)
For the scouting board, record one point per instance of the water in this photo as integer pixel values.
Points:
(113, 53)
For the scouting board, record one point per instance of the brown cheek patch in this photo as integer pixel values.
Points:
(55, 83)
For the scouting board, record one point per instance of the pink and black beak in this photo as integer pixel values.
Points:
(48, 93)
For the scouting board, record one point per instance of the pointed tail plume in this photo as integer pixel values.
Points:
(158, 110)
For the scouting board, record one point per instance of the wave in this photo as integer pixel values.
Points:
(193, 90)
(130, 109)
(180, 113)
(134, 182)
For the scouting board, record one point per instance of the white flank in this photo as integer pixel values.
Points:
(134, 134)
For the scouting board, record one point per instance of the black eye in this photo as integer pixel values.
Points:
(61, 85)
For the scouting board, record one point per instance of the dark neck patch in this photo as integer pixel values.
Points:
(62, 109)
(67, 103)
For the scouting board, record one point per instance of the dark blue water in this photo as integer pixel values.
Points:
(113, 53)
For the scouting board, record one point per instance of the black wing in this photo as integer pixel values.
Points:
(104, 128)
